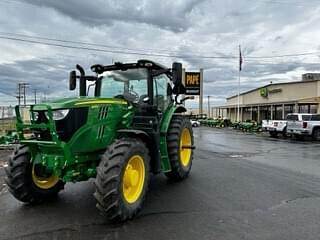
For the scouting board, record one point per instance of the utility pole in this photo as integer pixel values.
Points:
(19, 94)
(24, 86)
(35, 96)
(22, 93)
(209, 106)
(201, 92)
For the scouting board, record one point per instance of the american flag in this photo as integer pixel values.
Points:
(240, 59)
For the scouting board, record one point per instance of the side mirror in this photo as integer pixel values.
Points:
(72, 80)
(177, 79)
(177, 73)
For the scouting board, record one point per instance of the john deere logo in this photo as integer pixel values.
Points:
(264, 92)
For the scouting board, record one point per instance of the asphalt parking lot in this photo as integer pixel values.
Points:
(242, 186)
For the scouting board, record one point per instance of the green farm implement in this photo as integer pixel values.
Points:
(250, 126)
(133, 126)
(9, 137)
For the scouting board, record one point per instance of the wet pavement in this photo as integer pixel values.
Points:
(242, 186)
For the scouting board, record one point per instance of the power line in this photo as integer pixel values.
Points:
(98, 45)
(114, 51)
(137, 51)
(150, 49)
(86, 43)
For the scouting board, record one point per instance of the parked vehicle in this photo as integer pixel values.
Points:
(304, 124)
(274, 127)
(195, 123)
(249, 126)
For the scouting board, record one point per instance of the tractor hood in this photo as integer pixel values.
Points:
(76, 102)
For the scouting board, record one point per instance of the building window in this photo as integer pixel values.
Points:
(265, 112)
(308, 108)
(277, 112)
(313, 108)
(305, 108)
(255, 113)
(288, 109)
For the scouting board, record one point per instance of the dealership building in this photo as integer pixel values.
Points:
(274, 101)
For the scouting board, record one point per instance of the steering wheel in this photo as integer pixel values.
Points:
(119, 96)
(134, 95)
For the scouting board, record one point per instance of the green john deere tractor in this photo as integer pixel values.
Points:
(132, 126)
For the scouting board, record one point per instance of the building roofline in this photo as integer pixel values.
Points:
(271, 84)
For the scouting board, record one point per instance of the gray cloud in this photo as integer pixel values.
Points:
(171, 15)
(48, 76)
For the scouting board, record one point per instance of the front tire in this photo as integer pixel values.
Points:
(122, 179)
(299, 137)
(180, 135)
(316, 134)
(284, 132)
(25, 180)
(273, 133)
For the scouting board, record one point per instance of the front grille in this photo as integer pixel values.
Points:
(75, 119)
(66, 127)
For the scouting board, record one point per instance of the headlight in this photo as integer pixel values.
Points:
(35, 116)
(58, 114)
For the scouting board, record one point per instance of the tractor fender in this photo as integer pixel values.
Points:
(180, 109)
(175, 109)
(164, 126)
(133, 132)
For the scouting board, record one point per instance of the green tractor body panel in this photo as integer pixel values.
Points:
(76, 158)
(66, 103)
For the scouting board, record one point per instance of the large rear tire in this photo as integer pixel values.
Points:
(179, 137)
(122, 179)
(27, 182)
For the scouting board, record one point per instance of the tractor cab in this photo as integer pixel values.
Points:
(148, 87)
(141, 84)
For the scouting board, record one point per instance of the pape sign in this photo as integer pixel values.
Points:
(192, 83)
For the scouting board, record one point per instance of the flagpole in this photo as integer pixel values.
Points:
(238, 109)
(240, 62)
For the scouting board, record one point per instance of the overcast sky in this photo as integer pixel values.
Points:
(187, 30)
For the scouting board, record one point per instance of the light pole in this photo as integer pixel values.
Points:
(209, 106)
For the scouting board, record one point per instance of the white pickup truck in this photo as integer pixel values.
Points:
(274, 127)
(304, 124)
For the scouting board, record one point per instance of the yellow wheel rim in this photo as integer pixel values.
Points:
(42, 181)
(133, 179)
(185, 141)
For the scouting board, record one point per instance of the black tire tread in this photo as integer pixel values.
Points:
(19, 180)
(178, 172)
(109, 179)
(314, 134)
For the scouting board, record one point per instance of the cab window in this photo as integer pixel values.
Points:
(130, 84)
(160, 91)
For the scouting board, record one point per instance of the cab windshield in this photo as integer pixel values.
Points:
(130, 84)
